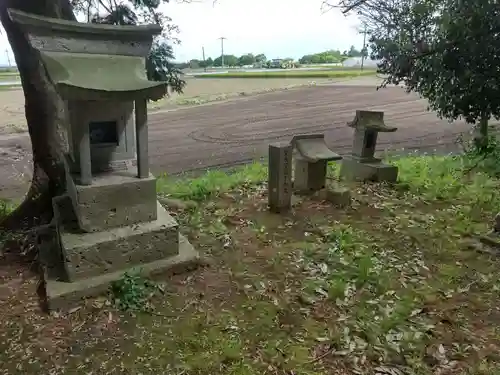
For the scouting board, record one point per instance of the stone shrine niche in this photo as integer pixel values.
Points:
(111, 128)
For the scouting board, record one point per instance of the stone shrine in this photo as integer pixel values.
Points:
(311, 161)
(362, 165)
(109, 221)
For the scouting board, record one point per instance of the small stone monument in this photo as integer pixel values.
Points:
(311, 161)
(362, 164)
(280, 177)
(109, 221)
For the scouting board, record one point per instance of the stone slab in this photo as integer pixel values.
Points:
(92, 254)
(61, 295)
(354, 170)
(280, 177)
(114, 200)
(338, 196)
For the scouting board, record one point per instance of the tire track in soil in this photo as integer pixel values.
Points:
(236, 132)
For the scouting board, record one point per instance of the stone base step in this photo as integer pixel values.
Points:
(64, 295)
(93, 254)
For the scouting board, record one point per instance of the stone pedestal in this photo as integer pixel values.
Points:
(338, 196)
(309, 176)
(113, 199)
(357, 169)
(61, 295)
(79, 264)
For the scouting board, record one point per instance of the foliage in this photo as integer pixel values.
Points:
(353, 52)
(248, 59)
(229, 60)
(6, 207)
(159, 65)
(483, 157)
(332, 56)
(447, 51)
(132, 292)
(260, 58)
(209, 62)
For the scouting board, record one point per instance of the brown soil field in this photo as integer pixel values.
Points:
(197, 91)
(238, 131)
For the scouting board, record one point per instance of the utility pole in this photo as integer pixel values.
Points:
(204, 61)
(8, 57)
(364, 32)
(222, 50)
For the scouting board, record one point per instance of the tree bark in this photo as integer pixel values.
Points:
(45, 116)
(481, 137)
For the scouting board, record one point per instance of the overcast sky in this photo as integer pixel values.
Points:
(277, 28)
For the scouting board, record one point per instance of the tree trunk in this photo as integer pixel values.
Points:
(481, 137)
(45, 116)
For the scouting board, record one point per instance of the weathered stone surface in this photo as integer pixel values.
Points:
(364, 144)
(309, 177)
(496, 227)
(370, 120)
(338, 196)
(313, 148)
(62, 295)
(353, 169)
(50, 253)
(280, 177)
(93, 254)
(114, 200)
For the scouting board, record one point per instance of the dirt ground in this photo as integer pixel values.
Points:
(387, 285)
(196, 91)
(237, 131)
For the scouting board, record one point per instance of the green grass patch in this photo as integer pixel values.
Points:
(334, 73)
(388, 285)
(6, 207)
(9, 76)
(10, 87)
(211, 183)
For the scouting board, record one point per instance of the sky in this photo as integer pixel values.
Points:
(277, 28)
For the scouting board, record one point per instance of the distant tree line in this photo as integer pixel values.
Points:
(327, 57)
(331, 57)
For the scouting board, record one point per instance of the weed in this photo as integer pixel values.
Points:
(132, 292)
(6, 207)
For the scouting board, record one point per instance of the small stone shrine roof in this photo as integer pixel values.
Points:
(93, 61)
(82, 75)
(370, 120)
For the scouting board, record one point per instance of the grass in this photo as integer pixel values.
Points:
(386, 286)
(333, 73)
(9, 76)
